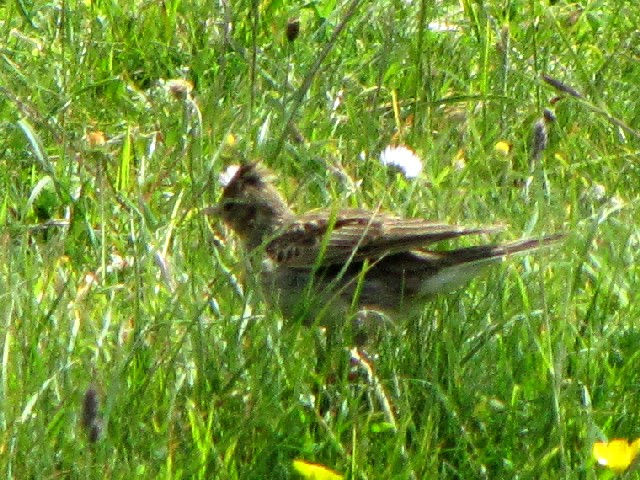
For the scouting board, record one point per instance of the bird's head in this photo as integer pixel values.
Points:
(251, 206)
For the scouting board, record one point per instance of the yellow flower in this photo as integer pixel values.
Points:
(315, 471)
(503, 147)
(230, 139)
(96, 138)
(616, 454)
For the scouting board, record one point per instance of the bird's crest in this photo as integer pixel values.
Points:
(248, 175)
(252, 174)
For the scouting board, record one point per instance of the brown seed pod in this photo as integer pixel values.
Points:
(293, 29)
(560, 86)
(90, 420)
(539, 140)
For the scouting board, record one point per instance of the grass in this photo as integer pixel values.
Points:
(111, 279)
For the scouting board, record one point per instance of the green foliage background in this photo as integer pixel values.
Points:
(111, 277)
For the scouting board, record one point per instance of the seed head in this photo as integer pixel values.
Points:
(293, 29)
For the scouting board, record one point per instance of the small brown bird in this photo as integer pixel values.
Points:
(311, 263)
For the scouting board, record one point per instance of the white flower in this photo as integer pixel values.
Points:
(338, 100)
(226, 176)
(402, 158)
(598, 191)
(459, 164)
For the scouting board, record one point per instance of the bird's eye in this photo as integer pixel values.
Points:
(227, 206)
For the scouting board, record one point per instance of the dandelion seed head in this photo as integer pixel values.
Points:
(179, 87)
(293, 29)
(402, 158)
(598, 191)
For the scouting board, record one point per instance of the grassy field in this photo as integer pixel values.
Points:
(117, 293)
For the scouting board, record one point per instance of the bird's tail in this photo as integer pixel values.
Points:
(482, 253)
(457, 267)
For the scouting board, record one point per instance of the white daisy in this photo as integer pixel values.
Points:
(402, 158)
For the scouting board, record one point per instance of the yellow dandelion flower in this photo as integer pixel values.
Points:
(561, 157)
(502, 147)
(230, 139)
(315, 471)
(616, 454)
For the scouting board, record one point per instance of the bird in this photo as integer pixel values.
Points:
(322, 264)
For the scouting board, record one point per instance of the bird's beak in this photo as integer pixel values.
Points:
(213, 211)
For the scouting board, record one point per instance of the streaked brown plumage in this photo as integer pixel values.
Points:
(349, 258)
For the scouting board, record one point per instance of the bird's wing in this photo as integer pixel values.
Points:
(326, 238)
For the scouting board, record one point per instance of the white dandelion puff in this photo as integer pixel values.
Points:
(598, 192)
(402, 158)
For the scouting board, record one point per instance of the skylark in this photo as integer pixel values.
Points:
(328, 261)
